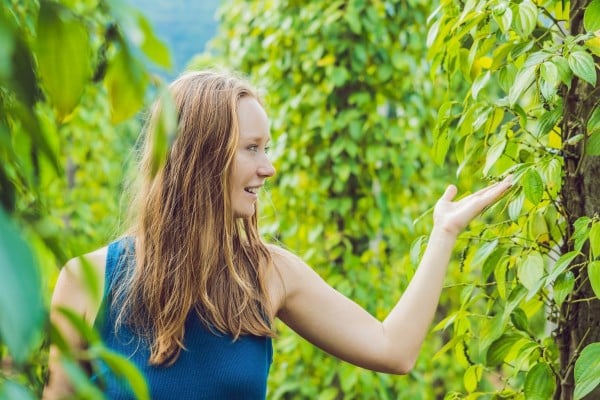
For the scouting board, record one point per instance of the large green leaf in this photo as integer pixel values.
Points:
(539, 383)
(582, 64)
(63, 54)
(561, 264)
(591, 16)
(21, 303)
(126, 82)
(563, 286)
(587, 370)
(595, 239)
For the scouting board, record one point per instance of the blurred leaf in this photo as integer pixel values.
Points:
(123, 367)
(126, 82)
(591, 16)
(164, 130)
(22, 313)
(561, 264)
(63, 54)
(14, 391)
(155, 49)
(595, 239)
(587, 370)
(526, 18)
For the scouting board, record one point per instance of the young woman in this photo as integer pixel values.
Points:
(191, 292)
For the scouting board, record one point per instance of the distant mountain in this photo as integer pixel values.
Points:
(184, 25)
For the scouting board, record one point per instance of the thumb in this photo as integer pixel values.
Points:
(450, 192)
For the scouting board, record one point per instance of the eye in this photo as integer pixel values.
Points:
(253, 147)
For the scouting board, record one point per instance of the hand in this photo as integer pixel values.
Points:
(453, 217)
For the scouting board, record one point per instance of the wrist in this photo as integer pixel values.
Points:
(444, 233)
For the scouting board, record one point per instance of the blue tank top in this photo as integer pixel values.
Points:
(211, 367)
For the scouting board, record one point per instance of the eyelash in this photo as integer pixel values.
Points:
(254, 148)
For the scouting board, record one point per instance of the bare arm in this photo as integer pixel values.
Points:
(71, 292)
(341, 327)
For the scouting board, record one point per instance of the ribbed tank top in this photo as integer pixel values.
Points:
(212, 367)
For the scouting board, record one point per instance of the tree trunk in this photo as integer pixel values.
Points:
(579, 323)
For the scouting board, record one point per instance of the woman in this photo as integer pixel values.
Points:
(192, 291)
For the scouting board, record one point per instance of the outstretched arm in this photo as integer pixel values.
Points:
(341, 327)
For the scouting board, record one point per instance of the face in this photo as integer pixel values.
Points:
(251, 165)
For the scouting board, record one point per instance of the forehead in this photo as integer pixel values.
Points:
(252, 119)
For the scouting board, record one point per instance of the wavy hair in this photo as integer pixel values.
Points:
(191, 253)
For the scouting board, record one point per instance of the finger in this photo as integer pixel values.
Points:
(450, 192)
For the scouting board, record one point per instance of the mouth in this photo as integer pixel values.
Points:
(252, 189)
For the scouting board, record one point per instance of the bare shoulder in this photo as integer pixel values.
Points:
(80, 284)
(288, 275)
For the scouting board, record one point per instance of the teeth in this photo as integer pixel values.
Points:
(252, 190)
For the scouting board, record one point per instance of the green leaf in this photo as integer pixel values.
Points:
(533, 186)
(472, 377)
(587, 370)
(493, 155)
(523, 81)
(595, 239)
(564, 71)
(593, 123)
(592, 146)
(581, 233)
(21, 302)
(582, 64)
(539, 383)
(483, 253)
(563, 286)
(519, 319)
(63, 55)
(14, 391)
(500, 348)
(594, 275)
(591, 17)
(526, 19)
(561, 264)
(549, 120)
(152, 46)
(163, 130)
(126, 83)
(515, 206)
(123, 367)
(531, 272)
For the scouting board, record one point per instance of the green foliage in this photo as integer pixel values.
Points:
(519, 59)
(62, 166)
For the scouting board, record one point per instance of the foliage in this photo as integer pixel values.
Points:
(352, 107)
(519, 59)
(70, 73)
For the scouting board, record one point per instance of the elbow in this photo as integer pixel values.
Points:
(403, 367)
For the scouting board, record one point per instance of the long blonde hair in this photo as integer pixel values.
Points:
(191, 253)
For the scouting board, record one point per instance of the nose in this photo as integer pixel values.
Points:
(266, 168)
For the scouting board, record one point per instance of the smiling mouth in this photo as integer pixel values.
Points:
(252, 189)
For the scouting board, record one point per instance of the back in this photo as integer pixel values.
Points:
(210, 367)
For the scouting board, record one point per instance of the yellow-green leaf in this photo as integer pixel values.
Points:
(591, 16)
(63, 55)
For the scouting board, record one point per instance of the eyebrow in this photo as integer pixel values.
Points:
(257, 138)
